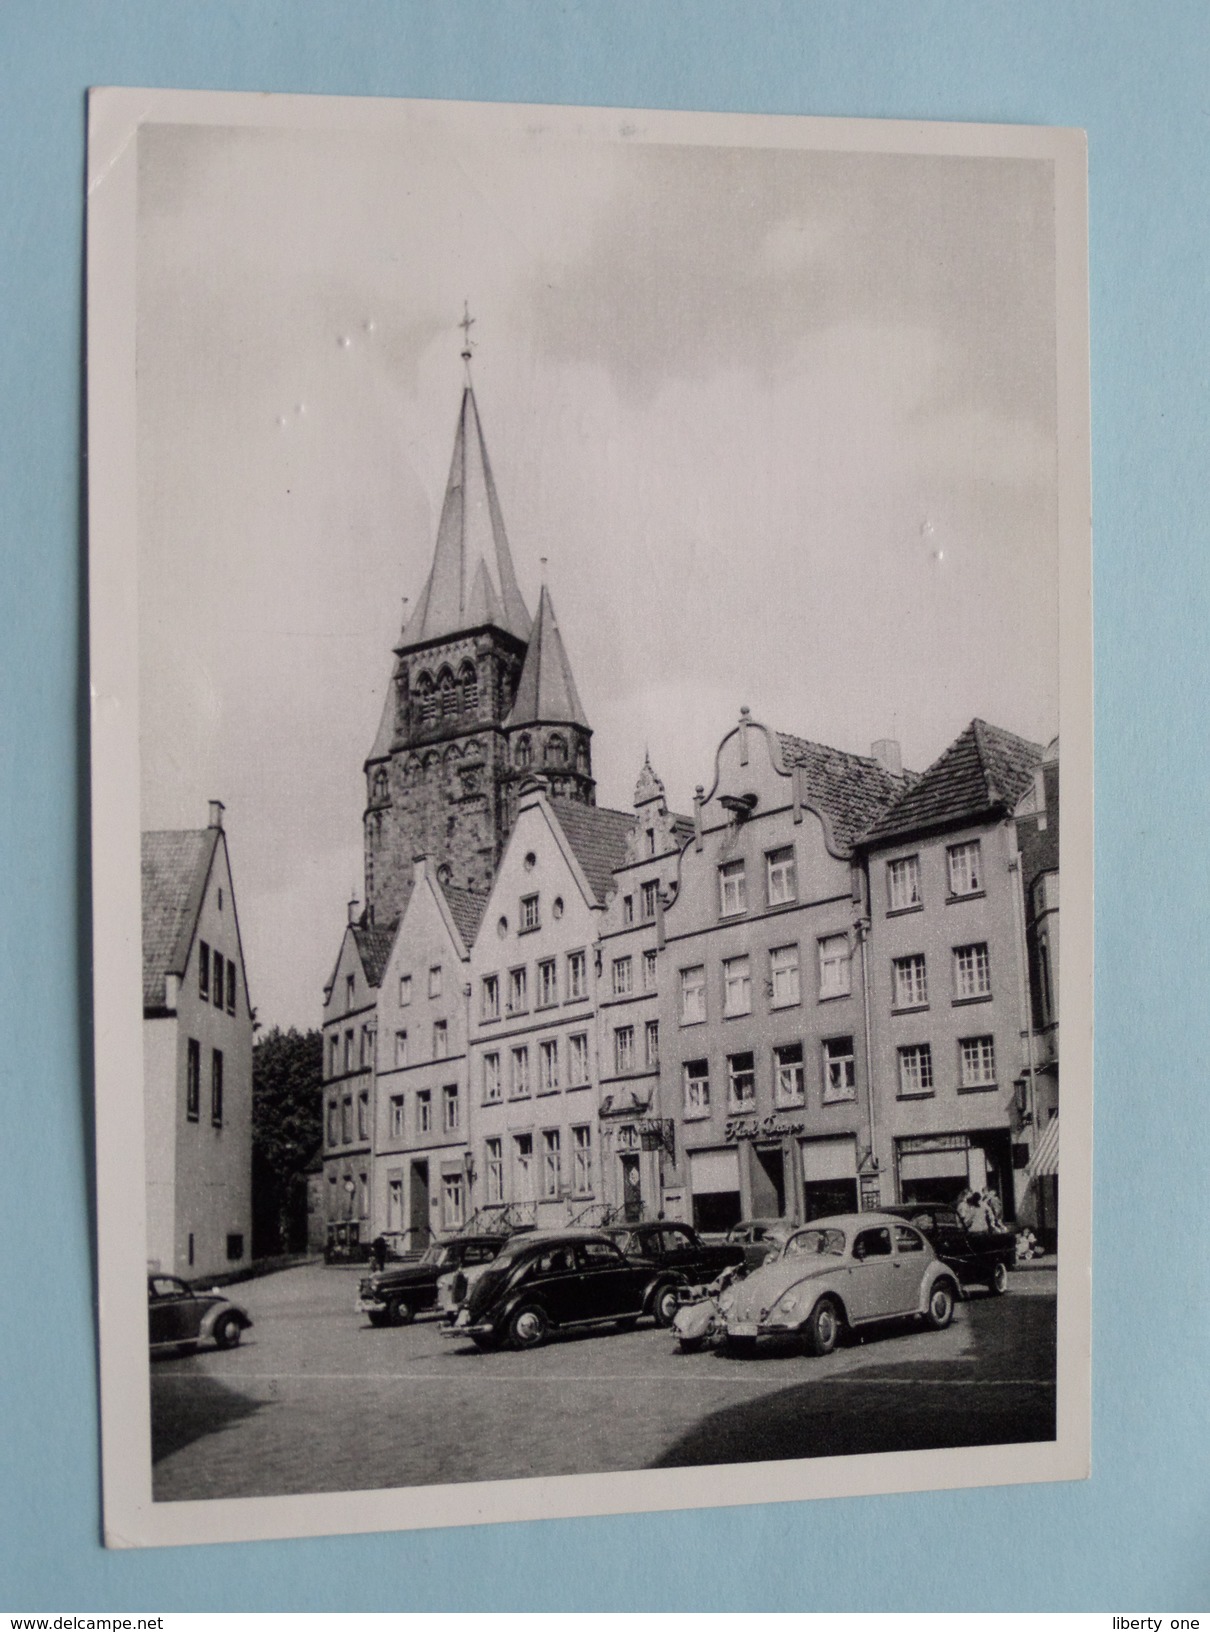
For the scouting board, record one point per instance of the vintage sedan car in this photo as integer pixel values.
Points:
(977, 1257)
(756, 1236)
(178, 1317)
(676, 1246)
(570, 1281)
(395, 1296)
(839, 1274)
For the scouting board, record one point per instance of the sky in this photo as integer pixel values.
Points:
(781, 421)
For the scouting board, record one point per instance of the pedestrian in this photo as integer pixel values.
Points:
(995, 1212)
(379, 1253)
(967, 1210)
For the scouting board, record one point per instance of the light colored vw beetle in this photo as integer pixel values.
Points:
(836, 1274)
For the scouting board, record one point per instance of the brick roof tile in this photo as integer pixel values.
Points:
(984, 770)
(850, 790)
(598, 837)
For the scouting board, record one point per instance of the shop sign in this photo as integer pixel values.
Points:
(769, 1127)
(656, 1133)
(919, 1143)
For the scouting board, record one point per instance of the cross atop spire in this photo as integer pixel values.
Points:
(466, 325)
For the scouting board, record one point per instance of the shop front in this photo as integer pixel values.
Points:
(829, 1176)
(714, 1185)
(939, 1167)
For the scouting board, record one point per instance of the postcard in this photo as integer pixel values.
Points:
(588, 608)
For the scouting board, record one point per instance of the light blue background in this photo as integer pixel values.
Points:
(1137, 77)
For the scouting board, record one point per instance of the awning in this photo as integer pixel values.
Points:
(1045, 1160)
(713, 1172)
(829, 1159)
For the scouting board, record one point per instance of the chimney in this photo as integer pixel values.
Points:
(886, 752)
(353, 905)
(216, 813)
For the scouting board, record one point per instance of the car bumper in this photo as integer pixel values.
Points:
(371, 1306)
(460, 1326)
(759, 1328)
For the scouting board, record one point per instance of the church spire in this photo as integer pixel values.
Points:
(546, 692)
(472, 581)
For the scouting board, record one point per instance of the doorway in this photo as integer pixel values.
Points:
(768, 1182)
(418, 1216)
(632, 1188)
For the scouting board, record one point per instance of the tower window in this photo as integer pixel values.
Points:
(428, 700)
(449, 695)
(556, 750)
(469, 681)
(524, 752)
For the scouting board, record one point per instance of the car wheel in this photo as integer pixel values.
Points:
(940, 1309)
(399, 1312)
(689, 1345)
(823, 1328)
(377, 1317)
(528, 1328)
(665, 1305)
(485, 1341)
(227, 1332)
(743, 1348)
(999, 1281)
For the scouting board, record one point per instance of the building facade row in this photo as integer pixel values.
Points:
(817, 993)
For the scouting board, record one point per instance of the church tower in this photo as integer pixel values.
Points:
(441, 776)
(548, 733)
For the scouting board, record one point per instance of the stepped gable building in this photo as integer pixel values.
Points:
(637, 1122)
(480, 697)
(197, 1055)
(948, 984)
(764, 1050)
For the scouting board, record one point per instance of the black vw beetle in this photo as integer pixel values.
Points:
(569, 1280)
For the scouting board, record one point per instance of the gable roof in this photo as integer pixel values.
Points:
(466, 909)
(546, 691)
(849, 790)
(598, 840)
(174, 867)
(373, 942)
(983, 771)
(472, 580)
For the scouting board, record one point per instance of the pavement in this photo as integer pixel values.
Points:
(315, 1399)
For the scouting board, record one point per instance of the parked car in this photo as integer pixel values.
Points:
(676, 1246)
(453, 1285)
(572, 1280)
(396, 1295)
(753, 1234)
(179, 1317)
(839, 1274)
(977, 1257)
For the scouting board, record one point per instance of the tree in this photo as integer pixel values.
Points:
(287, 1126)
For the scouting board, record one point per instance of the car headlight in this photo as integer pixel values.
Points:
(787, 1303)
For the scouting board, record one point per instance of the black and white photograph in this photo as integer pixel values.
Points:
(590, 622)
